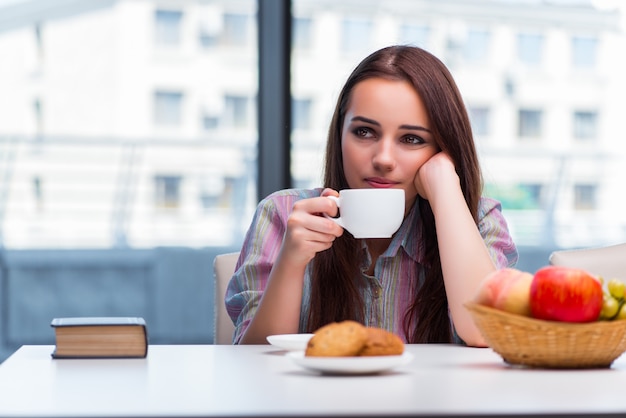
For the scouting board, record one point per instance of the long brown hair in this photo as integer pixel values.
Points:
(335, 294)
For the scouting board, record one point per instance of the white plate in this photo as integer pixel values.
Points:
(290, 342)
(350, 365)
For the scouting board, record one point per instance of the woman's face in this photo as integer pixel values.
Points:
(386, 137)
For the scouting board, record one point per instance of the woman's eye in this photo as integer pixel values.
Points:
(363, 132)
(413, 140)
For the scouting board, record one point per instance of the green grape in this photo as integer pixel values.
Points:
(616, 288)
(622, 311)
(610, 307)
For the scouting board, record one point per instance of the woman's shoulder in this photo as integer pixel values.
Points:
(488, 204)
(293, 194)
(283, 200)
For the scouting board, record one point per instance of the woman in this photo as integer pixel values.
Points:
(399, 122)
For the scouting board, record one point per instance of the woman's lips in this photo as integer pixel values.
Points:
(380, 183)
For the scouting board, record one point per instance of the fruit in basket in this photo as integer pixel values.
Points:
(614, 304)
(565, 294)
(616, 288)
(506, 289)
(610, 307)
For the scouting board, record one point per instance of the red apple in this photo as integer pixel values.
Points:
(506, 289)
(565, 294)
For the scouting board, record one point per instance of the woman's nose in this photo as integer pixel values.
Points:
(384, 155)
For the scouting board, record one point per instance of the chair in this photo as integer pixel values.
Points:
(608, 262)
(223, 269)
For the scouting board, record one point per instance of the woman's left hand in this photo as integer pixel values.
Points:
(434, 175)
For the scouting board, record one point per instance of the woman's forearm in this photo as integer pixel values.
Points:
(465, 260)
(279, 308)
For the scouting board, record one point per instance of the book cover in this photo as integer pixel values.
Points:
(100, 337)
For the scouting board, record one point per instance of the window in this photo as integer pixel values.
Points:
(206, 38)
(167, 27)
(476, 49)
(414, 35)
(530, 49)
(210, 189)
(584, 52)
(301, 118)
(355, 35)
(168, 108)
(236, 29)
(585, 196)
(209, 122)
(167, 191)
(237, 111)
(479, 116)
(585, 125)
(529, 123)
(302, 33)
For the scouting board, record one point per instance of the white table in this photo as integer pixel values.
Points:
(215, 380)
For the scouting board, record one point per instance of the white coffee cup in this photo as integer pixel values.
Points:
(370, 213)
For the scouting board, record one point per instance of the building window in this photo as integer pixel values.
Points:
(210, 25)
(209, 122)
(529, 123)
(585, 196)
(479, 116)
(476, 48)
(168, 108)
(236, 29)
(211, 190)
(584, 52)
(167, 27)
(301, 113)
(206, 38)
(302, 35)
(237, 111)
(355, 35)
(530, 49)
(417, 35)
(167, 191)
(585, 125)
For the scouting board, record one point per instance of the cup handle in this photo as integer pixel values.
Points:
(338, 219)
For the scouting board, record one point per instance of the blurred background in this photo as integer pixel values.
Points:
(129, 136)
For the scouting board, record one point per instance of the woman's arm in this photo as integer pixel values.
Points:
(465, 260)
(306, 234)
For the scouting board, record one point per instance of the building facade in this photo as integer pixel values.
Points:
(132, 123)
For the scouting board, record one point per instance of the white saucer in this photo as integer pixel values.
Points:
(290, 342)
(350, 365)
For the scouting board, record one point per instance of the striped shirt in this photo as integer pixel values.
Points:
(386, 294)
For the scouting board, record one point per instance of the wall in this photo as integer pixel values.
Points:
(171, 288)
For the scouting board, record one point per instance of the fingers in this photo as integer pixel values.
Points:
(330, 192)
(318, 205)
(435, 173)
(306, 216)
(307, 231)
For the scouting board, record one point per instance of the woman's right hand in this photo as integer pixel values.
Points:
(308, 232)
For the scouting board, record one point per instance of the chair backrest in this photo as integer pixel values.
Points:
(223, 269)
(608, 262)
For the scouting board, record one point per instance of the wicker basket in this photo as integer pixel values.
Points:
(547, 344)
